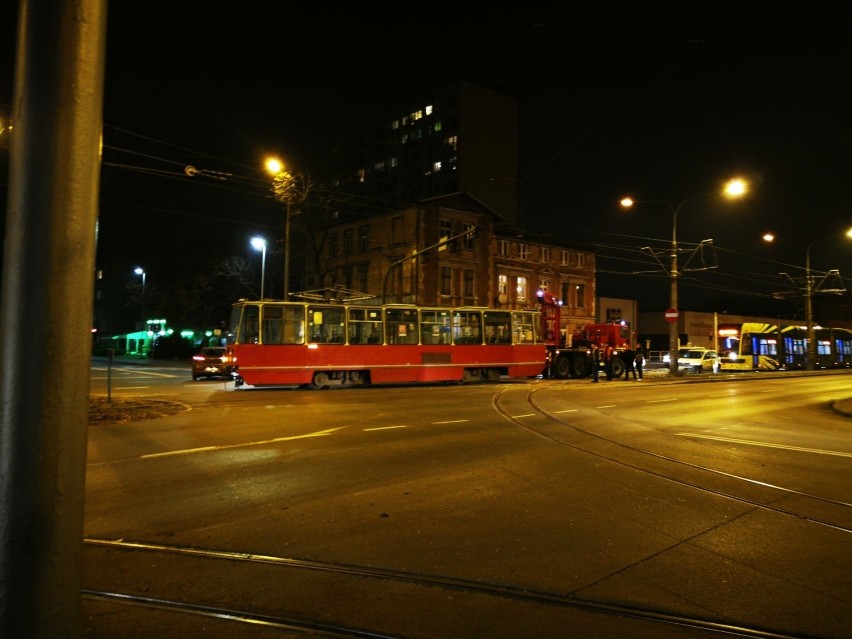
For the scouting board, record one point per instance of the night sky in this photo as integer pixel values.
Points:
(662, 106)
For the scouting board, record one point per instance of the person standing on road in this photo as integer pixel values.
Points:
(608, 354)
(639, 361)
(596, 363)
(628, 356)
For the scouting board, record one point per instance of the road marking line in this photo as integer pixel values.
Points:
(321, 433)
(747, 442)
(657, 401)
(384, 428)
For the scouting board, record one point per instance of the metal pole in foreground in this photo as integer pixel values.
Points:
(47, 290)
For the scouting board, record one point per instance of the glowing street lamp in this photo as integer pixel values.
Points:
(140, 271)
(259, 244)
(809, 291)
(276, 169)
(734, 188)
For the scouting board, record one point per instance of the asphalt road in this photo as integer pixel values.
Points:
(663, 508)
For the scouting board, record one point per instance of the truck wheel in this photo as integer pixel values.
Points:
(580, 367)
(617, 367)
(562, 367)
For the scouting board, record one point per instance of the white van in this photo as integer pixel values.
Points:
(698, 360)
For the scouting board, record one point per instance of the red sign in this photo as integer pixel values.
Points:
(671, 315)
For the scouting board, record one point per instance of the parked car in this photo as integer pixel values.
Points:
(698, 360)
(210, 362)
(680, 354)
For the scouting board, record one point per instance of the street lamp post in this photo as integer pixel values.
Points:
(734, 188)
(259, 244)
(140, 271)
(287, 253)
(809, 291)
(276, 168)
(809, 310)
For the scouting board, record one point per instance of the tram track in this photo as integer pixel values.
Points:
(642, 460)
(278, 594)
(254, 595)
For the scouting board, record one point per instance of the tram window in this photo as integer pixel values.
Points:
(250, 333)
(523, 328)
(326, 324)
(365, 326)
(283, 324)
(498, 327)
(402, 325)
(435, 326)
(467, 327)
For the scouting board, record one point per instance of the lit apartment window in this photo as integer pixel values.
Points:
(524, 251)
(446, 280)
(379, 166)
(362, 174)
(521, 290)
(394, 125)
(564, 258)
(544, 255)
(544, 285)
(437, 126)
(581, 295)
(468, 283)
(404, 138)
(393, 162)
(502, 284)
(428, 109)
(364, 238)
(436, 166)
(453, 142)
(417, 115)
(348, 236)
(503, 248)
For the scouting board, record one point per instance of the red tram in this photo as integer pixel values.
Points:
(317, 345)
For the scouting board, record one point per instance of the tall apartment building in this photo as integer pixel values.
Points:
(460, 139)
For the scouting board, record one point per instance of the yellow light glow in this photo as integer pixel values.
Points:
(273, 165)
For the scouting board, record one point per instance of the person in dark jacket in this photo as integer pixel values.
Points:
(639, 360)
(627, 356)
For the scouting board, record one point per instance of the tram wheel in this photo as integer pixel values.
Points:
(320, 381)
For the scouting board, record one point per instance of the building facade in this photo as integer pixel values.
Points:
(446, 253)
